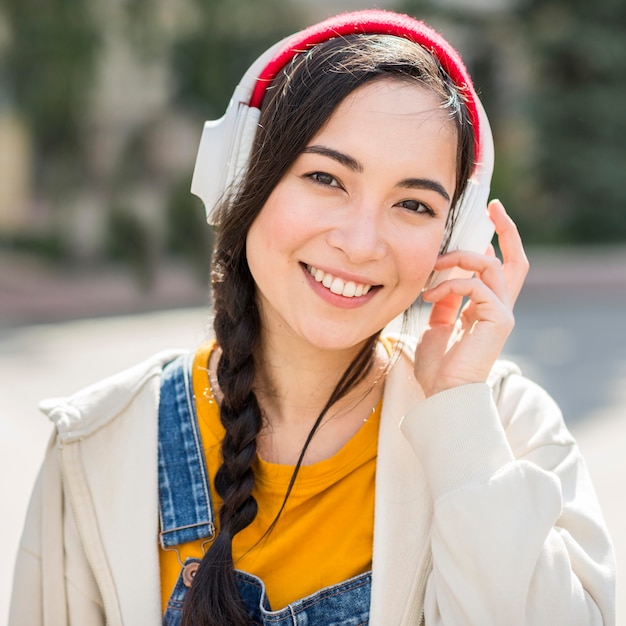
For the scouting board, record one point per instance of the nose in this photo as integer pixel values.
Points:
(358, 232)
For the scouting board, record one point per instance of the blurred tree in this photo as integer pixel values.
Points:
(48, 66)
(188, 235)
(128, 241)
(578, 49)
(208, 60)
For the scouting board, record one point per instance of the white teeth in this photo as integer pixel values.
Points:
(349, 290)
(337, 285)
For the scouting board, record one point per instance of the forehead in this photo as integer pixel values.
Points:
(396, 97)
(395, 101)
(391, 112)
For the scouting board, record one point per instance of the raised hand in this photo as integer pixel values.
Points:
(458, 349)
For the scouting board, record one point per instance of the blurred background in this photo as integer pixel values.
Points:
(104, 252)
(101, 105)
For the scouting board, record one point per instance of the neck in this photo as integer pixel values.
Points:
(296, 380)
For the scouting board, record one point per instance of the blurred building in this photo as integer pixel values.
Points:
(15, 170)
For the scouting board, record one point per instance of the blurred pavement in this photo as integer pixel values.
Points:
(60, 332)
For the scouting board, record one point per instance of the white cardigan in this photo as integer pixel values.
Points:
(485, 514)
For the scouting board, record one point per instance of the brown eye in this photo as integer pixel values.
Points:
(324, 179)
(416, 207)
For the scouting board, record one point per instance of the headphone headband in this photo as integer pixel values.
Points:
(380, 22)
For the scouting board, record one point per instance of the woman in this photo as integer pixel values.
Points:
(304, 466)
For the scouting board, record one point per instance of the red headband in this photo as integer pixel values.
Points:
(379, 22)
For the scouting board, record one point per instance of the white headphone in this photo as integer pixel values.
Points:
(226, 143)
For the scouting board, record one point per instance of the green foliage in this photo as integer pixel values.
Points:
(49, 65)
(46, 246)
(127, 240)
(420, 9)
(188, 234)
(579, 51)
(208, 60)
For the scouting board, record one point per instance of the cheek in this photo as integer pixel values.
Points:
(417, 256)
(285, 219)
(275, 230)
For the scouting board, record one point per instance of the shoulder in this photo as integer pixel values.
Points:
(89, 409)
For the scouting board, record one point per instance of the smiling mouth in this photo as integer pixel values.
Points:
(348, 289)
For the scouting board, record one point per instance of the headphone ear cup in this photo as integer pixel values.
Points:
(245, 132)
(226, 143)
(472, 228)
(223, 154)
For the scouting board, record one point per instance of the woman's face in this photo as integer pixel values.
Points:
(349, 236)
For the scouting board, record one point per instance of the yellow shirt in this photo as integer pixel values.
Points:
(325, 533)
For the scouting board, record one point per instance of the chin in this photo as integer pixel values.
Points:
(338, 340)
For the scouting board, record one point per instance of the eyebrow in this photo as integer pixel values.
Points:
(356, 166)
(425, 183)
(340, 157)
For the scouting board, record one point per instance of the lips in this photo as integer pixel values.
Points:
(348, 289)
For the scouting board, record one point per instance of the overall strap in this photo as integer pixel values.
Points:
(185, 507)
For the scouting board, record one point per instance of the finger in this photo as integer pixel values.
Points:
(515, 261)
(445, 310)
(482, 303)
(487, 267)
(473, 262)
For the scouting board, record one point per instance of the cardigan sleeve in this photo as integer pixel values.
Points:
(518, 537)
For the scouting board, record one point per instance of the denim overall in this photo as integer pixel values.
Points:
(186, 514)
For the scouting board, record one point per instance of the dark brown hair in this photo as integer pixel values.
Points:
(296, 105)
